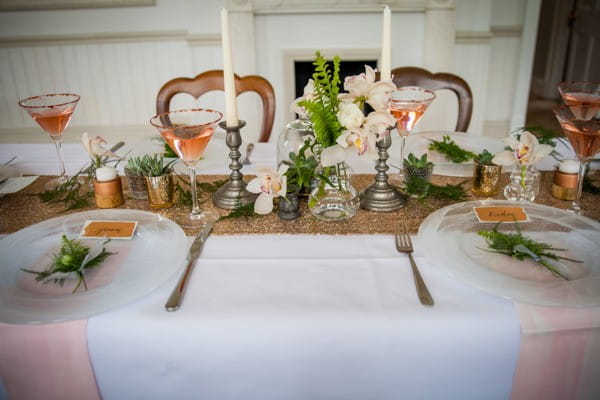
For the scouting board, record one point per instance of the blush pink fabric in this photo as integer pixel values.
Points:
(47, 362)
(559, 356)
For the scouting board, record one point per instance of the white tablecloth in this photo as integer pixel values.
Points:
(308, 317)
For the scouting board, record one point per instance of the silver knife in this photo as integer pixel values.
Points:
(175, 297)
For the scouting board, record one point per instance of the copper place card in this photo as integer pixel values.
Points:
(108, 229)
(501, 214)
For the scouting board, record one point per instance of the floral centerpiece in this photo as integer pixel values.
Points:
(525, 151)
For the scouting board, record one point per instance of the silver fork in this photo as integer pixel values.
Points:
(404, 245)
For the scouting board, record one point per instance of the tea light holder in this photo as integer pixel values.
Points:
(107, 188)
(564, 182)
(381, 196)
(233, 193)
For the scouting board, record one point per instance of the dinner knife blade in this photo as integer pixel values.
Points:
(174, 300)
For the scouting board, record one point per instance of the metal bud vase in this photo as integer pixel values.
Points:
(289, 207)
(485, 179)
(160, 191)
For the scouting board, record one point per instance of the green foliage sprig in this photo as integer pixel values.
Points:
(73, 194)
(324, 107)
(484, 158)
(152, 165)
(168, 151)
(72, 258)
(416, 162)
(204, 190)
(518, 246)
(422, 188)
(240, 211)
(301, 169)
(451, 150)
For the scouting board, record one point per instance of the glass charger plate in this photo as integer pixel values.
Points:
(461, 252)
(418, 143)
(156, 251)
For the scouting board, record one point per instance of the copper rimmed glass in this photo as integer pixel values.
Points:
(53, 113)
(584, 136)
(188, 132)
(582, 97)
(407, 105)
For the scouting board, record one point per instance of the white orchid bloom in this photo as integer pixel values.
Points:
(362, 139)
(363, 88)
(95, 147)
(333, 155)
(350, 116)
(308, 94)
(525, 151)
(379, 122)
(269, 183)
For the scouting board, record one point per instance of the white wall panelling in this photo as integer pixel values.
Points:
(117, 58)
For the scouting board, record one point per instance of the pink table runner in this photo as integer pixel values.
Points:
(47, 362)
(559, 355)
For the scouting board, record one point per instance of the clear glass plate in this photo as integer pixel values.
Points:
(157, 250)
(458, 249)
(418, 144)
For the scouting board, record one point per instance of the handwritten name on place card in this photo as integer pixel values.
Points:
(501, 214)
(110, 229)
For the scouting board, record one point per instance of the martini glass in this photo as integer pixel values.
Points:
(407, 105)
(582, 97)
(584, 135)
(188, 132)
(53, 113)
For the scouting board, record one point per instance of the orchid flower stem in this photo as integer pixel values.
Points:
(523, 175)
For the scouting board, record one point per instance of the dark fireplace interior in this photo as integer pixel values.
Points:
(303, 71)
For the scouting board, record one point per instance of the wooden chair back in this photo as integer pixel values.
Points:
(414, 76)
(213, 80)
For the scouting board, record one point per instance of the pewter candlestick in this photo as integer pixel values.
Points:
(233, 193)
(380, 196)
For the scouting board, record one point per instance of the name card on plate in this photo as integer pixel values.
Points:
(501, 214)
(108, 229)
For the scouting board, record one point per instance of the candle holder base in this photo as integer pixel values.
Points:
(233, 193)
(381, 196)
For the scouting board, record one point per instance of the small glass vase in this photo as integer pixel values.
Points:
(334, 199)
(524, 184)
(292, 138)
(416, 179)
(137, 185)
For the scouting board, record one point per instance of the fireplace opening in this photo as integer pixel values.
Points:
(303, 71)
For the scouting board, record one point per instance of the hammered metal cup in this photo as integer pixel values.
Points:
(485, 179)
(160, 191)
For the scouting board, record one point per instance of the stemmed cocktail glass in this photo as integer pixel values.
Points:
(53, 113)
(584, 135)
(407, 105)
(188, 132)
(583, 98)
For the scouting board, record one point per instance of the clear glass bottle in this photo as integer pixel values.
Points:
(292, 138)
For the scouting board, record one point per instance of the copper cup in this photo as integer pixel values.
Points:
(109, 194)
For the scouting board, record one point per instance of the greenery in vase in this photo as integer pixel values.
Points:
(485, 158)
(72, 258)
(451, 150)
(323, 108)
(153, 165)
(301, 171)
(416, 162)
(518, 246)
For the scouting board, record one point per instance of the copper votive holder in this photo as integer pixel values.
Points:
(485, 179)
(109, 194)
(564, 185)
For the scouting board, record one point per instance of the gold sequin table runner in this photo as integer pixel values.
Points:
(24, 208)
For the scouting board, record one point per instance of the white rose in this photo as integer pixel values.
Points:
(350, 116)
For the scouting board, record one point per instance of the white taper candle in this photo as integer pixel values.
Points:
(231, 115)
(386, 50)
